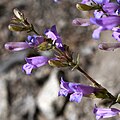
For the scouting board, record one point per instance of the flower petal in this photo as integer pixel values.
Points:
(96, 33)
(52, 34)
(63, 92)
(28, 68)
(105, 112)
(110, 8)
(76, 97)
(107, 22)
(37, 61)
(34, 62)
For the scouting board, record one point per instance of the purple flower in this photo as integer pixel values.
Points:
(32, 41)
(101, 1)
(110, 8)
(106, 23)
(16, 46)
(75, 90)
(98, 14)
(93, 2)
(118, 1)
(52, 34)
(96, 32)
(116, 33)
(105, 112)
(34, 62)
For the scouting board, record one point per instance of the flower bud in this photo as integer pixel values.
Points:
(15, 27)
(18, 14)
(56, 63)
(118, 98)
(44, 46)
(85, 7)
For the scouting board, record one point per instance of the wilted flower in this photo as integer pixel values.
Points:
(75, 90)
(105, 112)
(109, 46)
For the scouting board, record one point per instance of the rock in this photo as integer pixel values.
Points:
(3, 99)
(47, 95)
(24, 108)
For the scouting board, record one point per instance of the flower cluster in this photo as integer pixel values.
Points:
(37, 42)
(106, 16)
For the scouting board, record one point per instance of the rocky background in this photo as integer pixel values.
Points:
(34, 97)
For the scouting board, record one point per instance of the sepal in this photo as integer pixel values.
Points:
(85, 7)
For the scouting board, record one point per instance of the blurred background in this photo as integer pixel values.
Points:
(35, 97)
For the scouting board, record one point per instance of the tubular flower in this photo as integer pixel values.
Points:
(34, 62)
(75, 90)
(32, 41)
(52, 34)
(105, 23)
(105, 112)
(16, 46)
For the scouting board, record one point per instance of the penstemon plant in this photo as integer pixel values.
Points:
(106, 17)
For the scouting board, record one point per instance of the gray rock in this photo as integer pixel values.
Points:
(3, 99)
(48, 95)
(24, 107)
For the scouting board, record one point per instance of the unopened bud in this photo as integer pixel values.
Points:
(19, 28)
(18, 14)
(44, 46)
(56, 63)
(118, 98)
(86, 7)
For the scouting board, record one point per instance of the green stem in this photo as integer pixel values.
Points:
(35, 31)
(32, 29)
(97, 84)
(88, 77)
